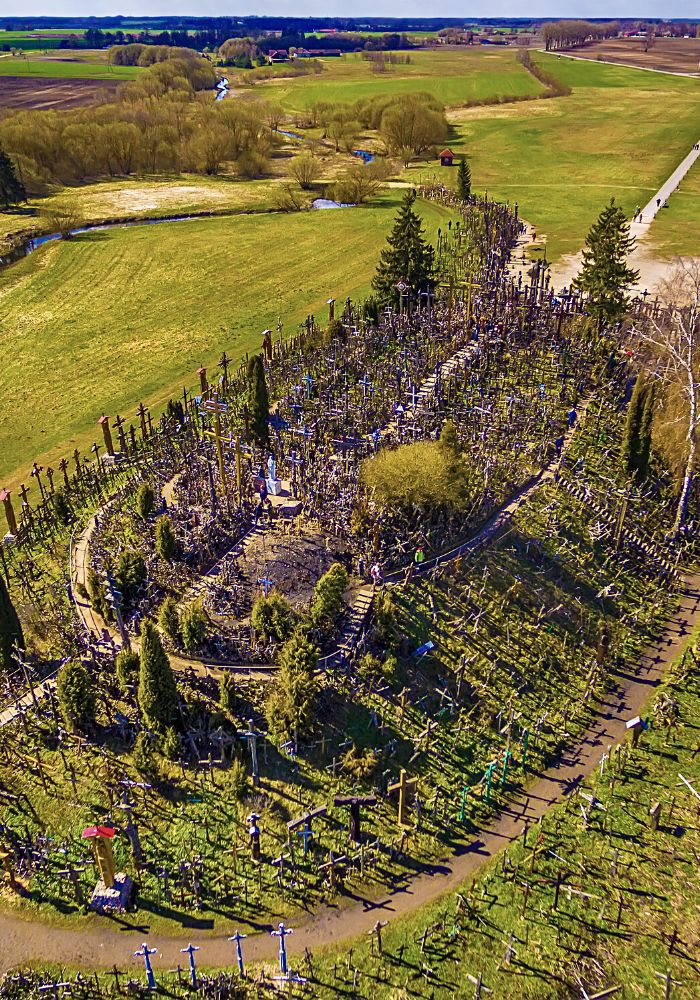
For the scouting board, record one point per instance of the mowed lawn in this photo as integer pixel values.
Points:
(107, 319)
(455, 76)
(676, 229)
(620, 133)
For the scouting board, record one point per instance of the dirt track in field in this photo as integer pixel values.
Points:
(24, 93)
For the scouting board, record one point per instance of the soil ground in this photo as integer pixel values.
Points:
(24, 93)
(675, 55)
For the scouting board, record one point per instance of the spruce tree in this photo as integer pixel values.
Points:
(157, 691)
(10, 629)
(605, 276)
(292, 701)
(407, 257)
(464, 179)
(630, 441)
(258, 401)
(645, 433)
(76, 695)
(11, 188)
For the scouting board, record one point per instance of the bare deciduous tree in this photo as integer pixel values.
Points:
(669, 344)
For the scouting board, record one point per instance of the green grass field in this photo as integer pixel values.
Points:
(621, 133)
(676, 228)
(185, 291)
(71, 65)
(455, 76)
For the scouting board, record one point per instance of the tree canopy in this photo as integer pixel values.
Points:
(422, 474)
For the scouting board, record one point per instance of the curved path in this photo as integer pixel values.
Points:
(104, 943)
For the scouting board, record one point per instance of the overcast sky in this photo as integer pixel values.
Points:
(356, 8)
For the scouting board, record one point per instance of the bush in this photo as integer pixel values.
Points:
(193, 627)
(327, 601)
(237, 782)
(166, 543)
(145, 500)
(76, 696)
(272, 617)
(171, 744)
(305, 169)
(62, 507)
(359, 764)
(97, 592)
(127, 667)
(143, 756)
(130, 574)
(169, 621)
(423, 474)
(227, 693)
(157, 690)
(292, 698)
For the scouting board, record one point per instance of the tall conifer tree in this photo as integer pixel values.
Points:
(605, 276)
(157, 691)
(11, 188)
(258, 401)
(464, 179)
(408, 257)
(10, 629)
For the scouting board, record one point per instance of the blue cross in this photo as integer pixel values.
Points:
(238, 937)
(146, 953)
(266, 584)
(281, 933)
(190, 950)
(307, 833)
(366, 386)
(309, 380)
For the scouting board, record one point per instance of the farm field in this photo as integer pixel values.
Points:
(620, 133)
(195, 288)
(675, 55)
(22, 93)
(67, 67)
(455, 76)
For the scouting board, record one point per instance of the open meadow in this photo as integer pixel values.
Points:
(620, 133)
(455, 76)
(74, 347)
(85, 64)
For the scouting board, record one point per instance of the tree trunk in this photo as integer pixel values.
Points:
(682, 510)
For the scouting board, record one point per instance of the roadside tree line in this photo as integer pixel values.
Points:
(573, 34)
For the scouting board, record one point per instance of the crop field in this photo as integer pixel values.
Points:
(84, 65)
(455, 76)
(194, 288)
(675, 55)
(620, 133)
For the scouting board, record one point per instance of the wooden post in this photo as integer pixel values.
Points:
(9, 511)
(106, 433)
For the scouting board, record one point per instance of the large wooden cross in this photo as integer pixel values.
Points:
(355, 802)
(404, 786)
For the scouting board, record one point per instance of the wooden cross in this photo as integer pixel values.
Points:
(404, 786)
(63, 466)
(106, 433)
(119, 425)
(49, 476)
(36, 474)
(331, 863)
(217, 408)
(141, 414)
(224, 362)
(305, 822)
(76, 459)
(377, 929)
(355, 802)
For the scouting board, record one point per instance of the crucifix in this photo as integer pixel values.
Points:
(146, 953)
(49, 476)
(63, 466)
(281, 933)
(251, 735)
(266, 584)
(305, 823)
(238, 937)
(404, 786)
(36, 474)
(355, 802)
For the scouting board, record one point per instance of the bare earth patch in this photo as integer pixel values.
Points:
(25, 93)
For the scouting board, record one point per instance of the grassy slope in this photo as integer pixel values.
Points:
(454, 76)
(675, 230)
(113, 317)
(620, 133)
